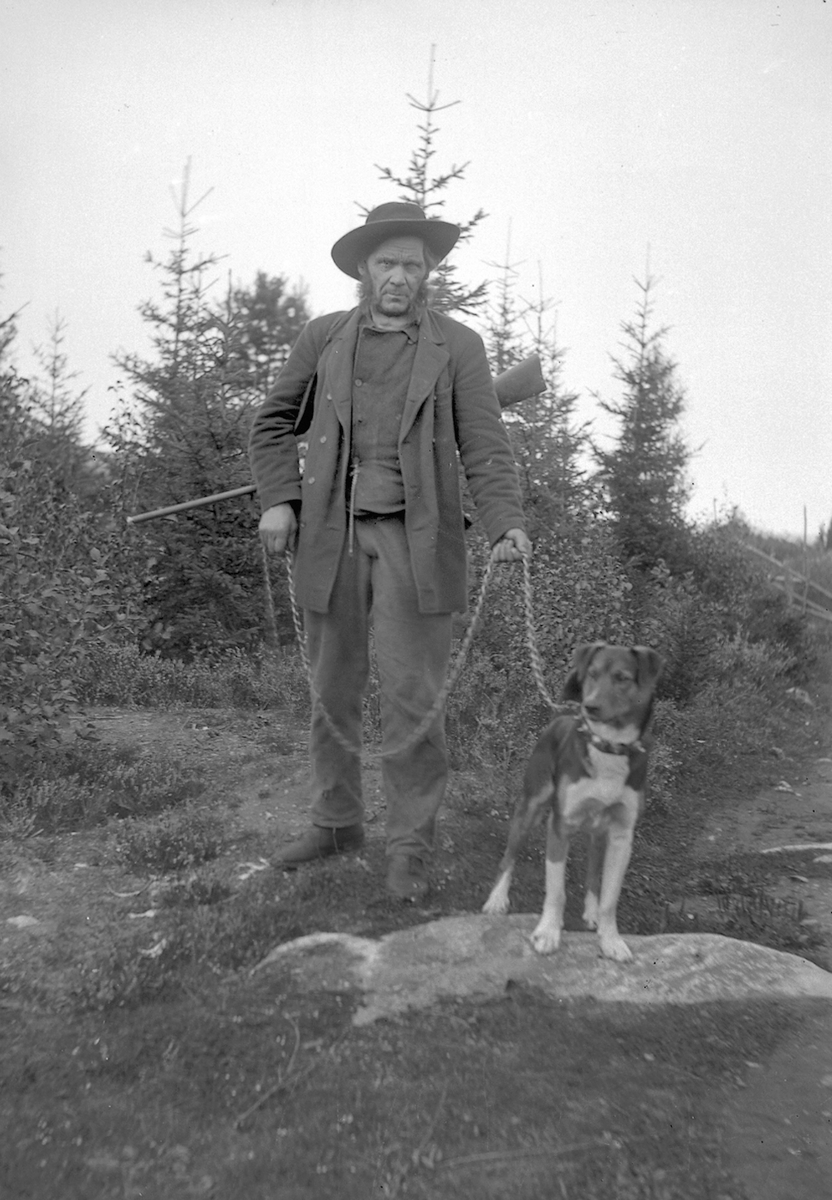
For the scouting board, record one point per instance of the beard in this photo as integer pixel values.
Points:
(369, 298)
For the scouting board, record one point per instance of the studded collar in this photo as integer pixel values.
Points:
(626, 749)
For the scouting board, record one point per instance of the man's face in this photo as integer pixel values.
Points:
(394, 273)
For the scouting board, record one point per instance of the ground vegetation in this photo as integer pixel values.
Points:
(152, 731)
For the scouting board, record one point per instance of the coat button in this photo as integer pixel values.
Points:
(323, 439)
(359, 382)
(311, 479)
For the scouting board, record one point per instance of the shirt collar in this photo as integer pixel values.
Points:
(410, 331)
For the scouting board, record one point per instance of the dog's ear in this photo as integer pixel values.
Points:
(581, 659)
(650, 665)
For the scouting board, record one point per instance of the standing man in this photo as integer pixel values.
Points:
(386, 396)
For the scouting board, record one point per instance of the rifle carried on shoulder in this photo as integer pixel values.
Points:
(518, 383)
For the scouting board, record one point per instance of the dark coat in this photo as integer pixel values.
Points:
(451, 406)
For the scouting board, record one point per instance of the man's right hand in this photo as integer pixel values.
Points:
(279, 528)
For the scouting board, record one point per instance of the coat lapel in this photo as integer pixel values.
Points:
(338, 372)
(431, 357)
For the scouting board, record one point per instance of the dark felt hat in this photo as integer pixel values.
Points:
(393, 219)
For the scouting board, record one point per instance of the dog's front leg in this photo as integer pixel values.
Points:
(546, 936)
(594, 859)
(525, 817)
(616, 858)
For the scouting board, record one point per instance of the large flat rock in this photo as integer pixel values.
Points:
(477, 955)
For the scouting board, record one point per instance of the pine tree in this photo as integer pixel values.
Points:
(268, 319)
(644, 475)
(506, 343)
(419, 186)
(56, 407)
(15, 422)
(555, 441)
(179, 424)
(548, 442)
(185, 434)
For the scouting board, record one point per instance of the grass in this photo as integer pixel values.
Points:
(251, 1090)
(123, 676)
(163, 1068)
(174, 841)
(83, 783)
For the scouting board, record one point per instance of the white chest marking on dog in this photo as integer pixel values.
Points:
(587, 798)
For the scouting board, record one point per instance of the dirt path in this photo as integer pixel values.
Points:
(778, 1132)
(794, 811)
(776, 1120)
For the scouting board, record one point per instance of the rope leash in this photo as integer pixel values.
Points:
(531, 634)
(453, 674)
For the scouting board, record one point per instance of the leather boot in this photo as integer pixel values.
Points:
(407, 877)
(321, 842)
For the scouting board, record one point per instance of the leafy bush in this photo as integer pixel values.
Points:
(82, 784)
(173, 841)
(724, 634)
(580, 593)
(124, 675)
(58, 602)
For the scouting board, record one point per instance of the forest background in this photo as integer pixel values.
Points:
(95, 611)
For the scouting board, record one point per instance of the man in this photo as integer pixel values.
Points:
(386, 396)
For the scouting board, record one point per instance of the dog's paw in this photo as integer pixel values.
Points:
(545, 939)
(590, 917)
(497, 902)
(616, 948)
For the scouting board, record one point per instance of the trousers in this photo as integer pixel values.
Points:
(375, 591)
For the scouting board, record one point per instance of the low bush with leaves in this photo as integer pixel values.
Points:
(264, 679)
(173, 841)
(58, 603)
(81, 784)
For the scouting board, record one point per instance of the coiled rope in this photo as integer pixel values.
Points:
(454, 672)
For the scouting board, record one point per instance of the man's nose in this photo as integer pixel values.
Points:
(397, 275)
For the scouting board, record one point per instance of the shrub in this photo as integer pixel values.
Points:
(123, 675)
(82, 784)
(58, 602)
(173, 841)
(580, 593)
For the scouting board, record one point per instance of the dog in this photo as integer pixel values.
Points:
(590, 772)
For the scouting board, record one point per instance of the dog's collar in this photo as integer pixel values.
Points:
(624, 748)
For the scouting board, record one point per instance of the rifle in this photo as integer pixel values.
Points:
(518, 383)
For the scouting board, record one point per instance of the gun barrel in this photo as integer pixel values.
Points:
(199, 503)
(518, 383)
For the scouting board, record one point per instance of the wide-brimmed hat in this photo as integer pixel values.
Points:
(393, 219)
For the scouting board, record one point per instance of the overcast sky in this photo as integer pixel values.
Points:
(701, 129)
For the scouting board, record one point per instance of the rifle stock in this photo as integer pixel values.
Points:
(518, 383)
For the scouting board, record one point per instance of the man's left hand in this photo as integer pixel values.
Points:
(512, 547)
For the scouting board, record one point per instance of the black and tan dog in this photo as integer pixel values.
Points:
(590, 772)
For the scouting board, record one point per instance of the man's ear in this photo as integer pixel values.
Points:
(650, 665)
(573, 685)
